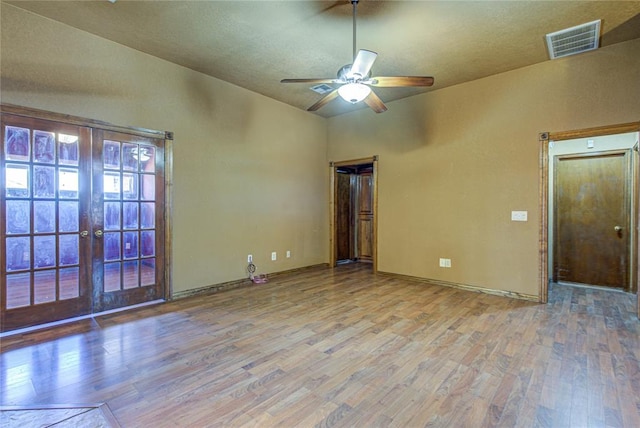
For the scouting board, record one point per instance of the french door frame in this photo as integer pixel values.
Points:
(93, 125)
(543, 239)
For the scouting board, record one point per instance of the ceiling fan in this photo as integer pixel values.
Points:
(355, 79)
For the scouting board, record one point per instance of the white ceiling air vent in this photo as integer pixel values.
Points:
(322, 88)
(574, 40)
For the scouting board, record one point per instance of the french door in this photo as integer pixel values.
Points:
(127, 217)
(83, 226)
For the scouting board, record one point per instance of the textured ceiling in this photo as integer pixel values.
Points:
(255, 44)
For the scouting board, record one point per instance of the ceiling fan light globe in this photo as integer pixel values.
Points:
(354, 92)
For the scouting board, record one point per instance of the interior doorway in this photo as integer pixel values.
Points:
(354, 219)
(590, 142)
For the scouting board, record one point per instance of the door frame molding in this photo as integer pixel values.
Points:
(543, 232)
(167, 136)
(333, 241)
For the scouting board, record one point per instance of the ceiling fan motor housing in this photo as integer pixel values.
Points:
(344, 75)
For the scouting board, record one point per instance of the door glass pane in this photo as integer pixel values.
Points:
(130, 274)
(44, 251)
(111, 185)
(44, 147)
(130, 157)
(112, 216)
(111, 279)
(18, 254)
(147, 159)
(18, 219)
(148, 187)
(68, 150)
(147, 243)
(111, 246)
(18, 290)
(69, 250)
(147, 272)
(147, 215)
(44, 216)
(44, 185)
(130, 245)
(130, 215)
(130, 186)
(111, 155)
(68, 183)
(69, 213)
(44, 286)
(69, 283)
(17, 144)
(17, 180)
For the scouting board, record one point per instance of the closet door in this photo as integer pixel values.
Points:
(365, 216)
(44, 206)
(127, 216)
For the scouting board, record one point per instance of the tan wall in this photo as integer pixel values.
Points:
(455, 162)
(250, 173)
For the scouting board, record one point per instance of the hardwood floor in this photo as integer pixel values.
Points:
(343, 347)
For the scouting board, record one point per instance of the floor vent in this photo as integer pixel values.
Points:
(574, 40)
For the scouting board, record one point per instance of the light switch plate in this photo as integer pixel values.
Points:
(519, 215)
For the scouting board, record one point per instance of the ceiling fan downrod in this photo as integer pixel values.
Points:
(355, 4)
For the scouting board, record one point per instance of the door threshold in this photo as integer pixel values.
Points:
(594, 287)
(80, 318)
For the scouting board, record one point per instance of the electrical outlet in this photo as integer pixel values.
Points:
(274, 256)
(288, 254)
(249, 258)
(445, 263)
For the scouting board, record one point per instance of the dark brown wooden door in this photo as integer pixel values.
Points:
(45, 198)
(344, 216)
(127, 217)
(365, 216)
(592, 219)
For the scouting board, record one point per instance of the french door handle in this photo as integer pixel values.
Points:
(84, 233)
(98, 233)
(618, 228)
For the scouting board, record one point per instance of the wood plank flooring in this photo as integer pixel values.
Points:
(343, 348)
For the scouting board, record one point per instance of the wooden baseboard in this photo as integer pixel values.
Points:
(214, 288)
(502, 293)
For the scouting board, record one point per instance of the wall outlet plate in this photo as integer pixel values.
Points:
(249, 258)
(274, 256)
(288, 254)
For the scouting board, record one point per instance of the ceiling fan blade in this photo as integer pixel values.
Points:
(324, 100)
(398, 81)
(363, 63)
(308, 81)
(375, 103)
